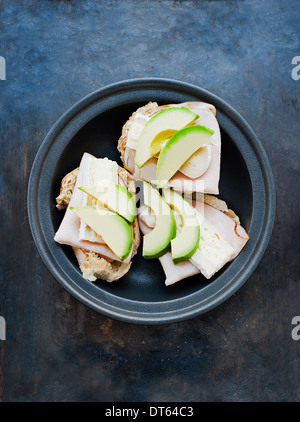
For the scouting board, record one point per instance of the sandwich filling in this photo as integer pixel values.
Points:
(99, 170)
(73, 231)
(221, 240)
(206, 159)
(189, 235)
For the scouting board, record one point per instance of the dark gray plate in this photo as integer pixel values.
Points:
(94, 125)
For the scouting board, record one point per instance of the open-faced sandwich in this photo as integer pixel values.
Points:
(189, 236)
(100, 222)
(174, 145)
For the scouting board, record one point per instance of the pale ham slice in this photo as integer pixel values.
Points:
(176, 272)
(209, 181)
(68, 232)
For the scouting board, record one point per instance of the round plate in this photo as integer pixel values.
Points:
(94, 125)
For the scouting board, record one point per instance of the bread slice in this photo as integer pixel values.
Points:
(92, 265)
(66, 189)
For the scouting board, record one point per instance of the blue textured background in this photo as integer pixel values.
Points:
(56, 52)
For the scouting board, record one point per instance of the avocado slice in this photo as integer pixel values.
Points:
(159, 128)
(178, 149)
(157, 242)
(114, 230)
(115, 197)
(185, 244)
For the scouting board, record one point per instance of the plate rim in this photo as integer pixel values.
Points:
(153, 317)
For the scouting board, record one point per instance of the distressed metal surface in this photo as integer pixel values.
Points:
(56, 52)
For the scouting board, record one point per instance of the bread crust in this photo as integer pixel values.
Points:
(66, 189)
(92, 265)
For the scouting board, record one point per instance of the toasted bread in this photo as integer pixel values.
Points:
(66, 189)
(92, 265)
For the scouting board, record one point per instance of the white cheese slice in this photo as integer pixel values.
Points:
(148, 217)
(135, 130)
(198, 163)
(100, 170)
(213, 251)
